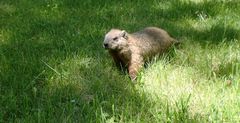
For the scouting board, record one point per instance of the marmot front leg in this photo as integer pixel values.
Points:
(135, 65)
(118, 62)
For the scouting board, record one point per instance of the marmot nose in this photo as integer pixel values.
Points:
(105, 45)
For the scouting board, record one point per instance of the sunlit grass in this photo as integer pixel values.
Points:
(204, 74)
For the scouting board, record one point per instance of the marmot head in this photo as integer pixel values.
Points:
(115, 39)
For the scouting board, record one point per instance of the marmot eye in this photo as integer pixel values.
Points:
(115, 38)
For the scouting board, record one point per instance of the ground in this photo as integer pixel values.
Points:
(53, 67)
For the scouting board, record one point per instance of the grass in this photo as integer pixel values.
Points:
(53, 67)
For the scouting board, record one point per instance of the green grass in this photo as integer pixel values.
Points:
(53, 67)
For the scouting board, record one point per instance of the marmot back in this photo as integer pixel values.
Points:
(153, 41)
(132, 50)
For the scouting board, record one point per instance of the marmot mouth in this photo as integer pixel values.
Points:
(115, 50)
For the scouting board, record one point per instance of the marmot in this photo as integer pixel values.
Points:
(133, 50)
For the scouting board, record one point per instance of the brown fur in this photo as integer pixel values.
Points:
(132, 50)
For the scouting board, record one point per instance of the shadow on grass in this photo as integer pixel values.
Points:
(35, 40)
(215, 35)
(35, 88)
(175, 16)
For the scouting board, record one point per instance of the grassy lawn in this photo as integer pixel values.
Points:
(53, 67)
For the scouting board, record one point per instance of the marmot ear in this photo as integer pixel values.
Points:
(124, 34)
